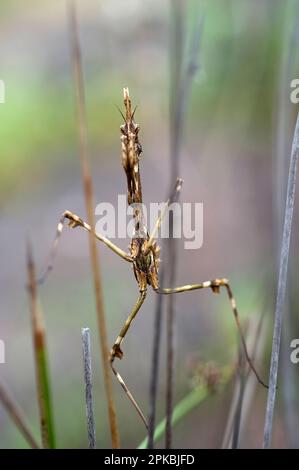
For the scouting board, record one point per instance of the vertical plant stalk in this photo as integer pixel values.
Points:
(17, 416)
(238, 415)
(89, 203)
(155, 365)
(177, 116)
(176, 53)
(86, 348)
(170, 330)
(259, 345)
(281, 288)
(177, 42)
(287, 72)
(182, 76)
(256, 342)
(191, 401)
(241, 379)
(41, 359)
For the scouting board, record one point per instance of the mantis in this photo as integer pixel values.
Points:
(143, 252)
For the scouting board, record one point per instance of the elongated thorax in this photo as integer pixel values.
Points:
(131, 150)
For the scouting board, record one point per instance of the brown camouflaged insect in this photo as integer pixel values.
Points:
(143, 250)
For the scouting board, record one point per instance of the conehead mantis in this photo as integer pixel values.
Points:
(143, 250)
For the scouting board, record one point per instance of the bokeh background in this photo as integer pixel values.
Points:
(234, 159)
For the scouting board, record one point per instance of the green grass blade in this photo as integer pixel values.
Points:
(41, 360)
(191, 401)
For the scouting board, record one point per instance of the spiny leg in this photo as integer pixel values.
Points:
(75, 221)
(215, 286)
(173, 197)
(117, 352)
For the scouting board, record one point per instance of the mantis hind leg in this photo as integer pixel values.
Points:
(117, 352)
(215, 285)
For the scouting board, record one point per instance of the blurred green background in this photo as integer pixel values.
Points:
(229, 162)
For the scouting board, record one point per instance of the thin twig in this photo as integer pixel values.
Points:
(241, 379)
(281, 288)
(176, 57)
(182, 77)
(238, 414)
(260, 342)
(17, 416)
(88, 387)
(176, 54)
(89, 202)
(177, 75)
(155, 365)
(41, 360)
(256, 341)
